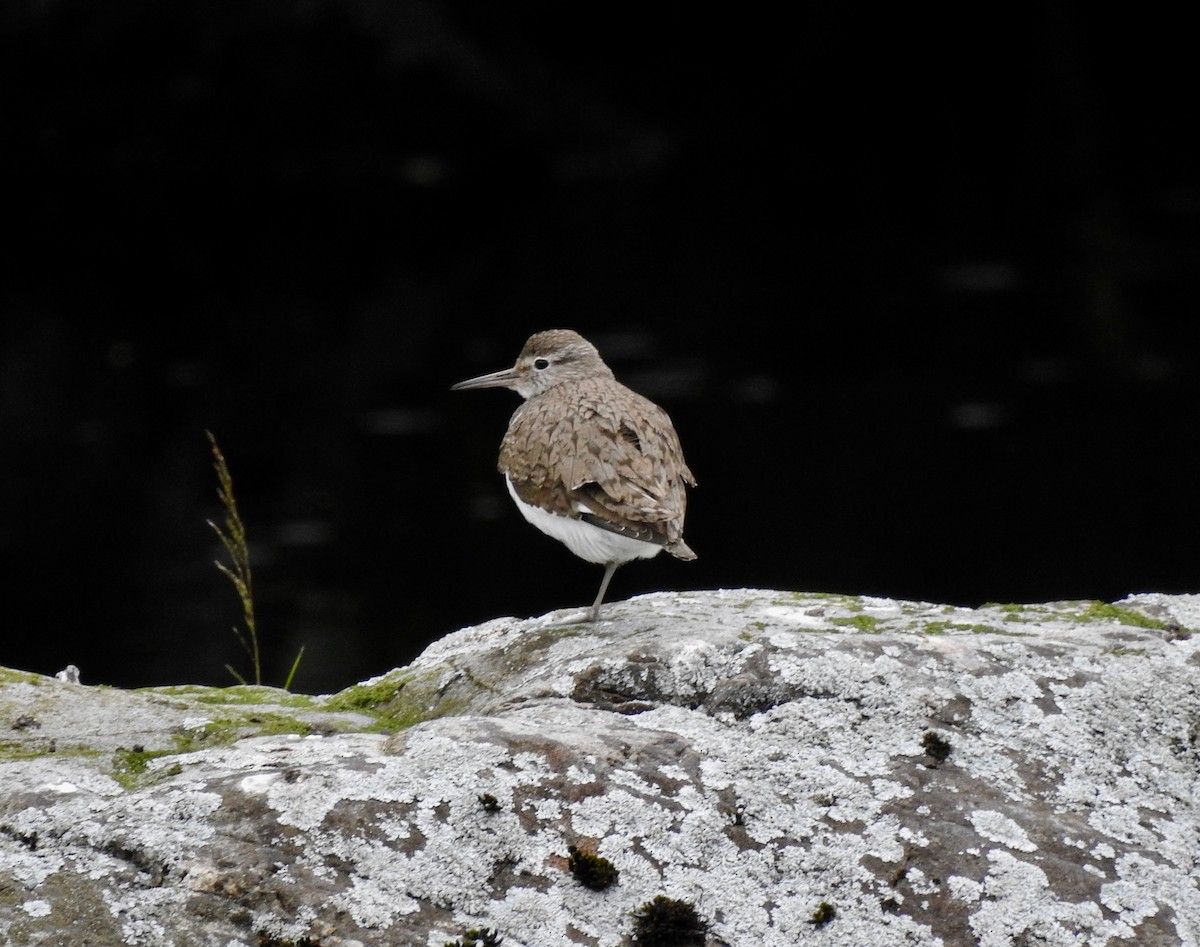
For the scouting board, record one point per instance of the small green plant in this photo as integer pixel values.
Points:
(477, 938)
(824, 913)
(591, 871)
(666, 922)
(489, 802)
(232, 534)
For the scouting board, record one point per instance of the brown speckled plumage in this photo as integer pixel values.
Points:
(592, 442)
(585, 447)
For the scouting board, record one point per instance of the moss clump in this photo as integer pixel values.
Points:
(131, 767)
(477, 938)
(936, 746)
(941, 627)
(824, 913)
(237, 695)
(227, 730)
(665, 922)
(489, 802)
(34, 749)
(868, 623)
(591, 871)
(368, 697)
(9, 676)
(397, 702)
(1102, 611)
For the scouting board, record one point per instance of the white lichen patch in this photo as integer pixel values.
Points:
(1018, 903)
(257, 783)
(999, 828)
(964, 889)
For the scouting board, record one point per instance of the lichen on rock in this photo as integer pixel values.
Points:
(873, 770)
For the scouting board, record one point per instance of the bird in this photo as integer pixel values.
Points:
(589, 461)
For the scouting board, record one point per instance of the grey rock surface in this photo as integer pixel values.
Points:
(1008, 775)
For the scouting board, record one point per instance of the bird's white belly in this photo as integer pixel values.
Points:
(589, 542)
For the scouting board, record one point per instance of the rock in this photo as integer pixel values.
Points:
(787, 768)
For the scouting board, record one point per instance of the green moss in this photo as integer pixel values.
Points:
(270, 724)
(867, 623)
(10, 750)
(591, 871)
(36, 749)
(1102, 611)
(941, 627)
(26, 750)
(237, 695)
(398, 702)
(665, 922)
(936, 746)
(368, 698)
(9, 676)
(824, 913)
(227, 730)
(1016, 613)
(131, 767)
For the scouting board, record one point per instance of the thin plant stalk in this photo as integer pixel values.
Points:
(232, 534)
(287, 685)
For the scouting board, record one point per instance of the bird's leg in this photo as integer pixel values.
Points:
(609, 569)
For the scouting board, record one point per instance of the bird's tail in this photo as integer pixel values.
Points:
(680, 550)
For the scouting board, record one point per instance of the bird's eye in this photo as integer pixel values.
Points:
(541, 364)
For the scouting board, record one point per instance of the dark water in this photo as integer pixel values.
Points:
(923, 311)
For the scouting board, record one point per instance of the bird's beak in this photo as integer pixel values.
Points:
(506, 378)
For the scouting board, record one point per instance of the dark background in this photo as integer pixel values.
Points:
(919, 291)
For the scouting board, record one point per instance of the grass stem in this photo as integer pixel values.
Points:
(232, 534)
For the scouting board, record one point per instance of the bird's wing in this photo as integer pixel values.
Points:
(613, 460)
